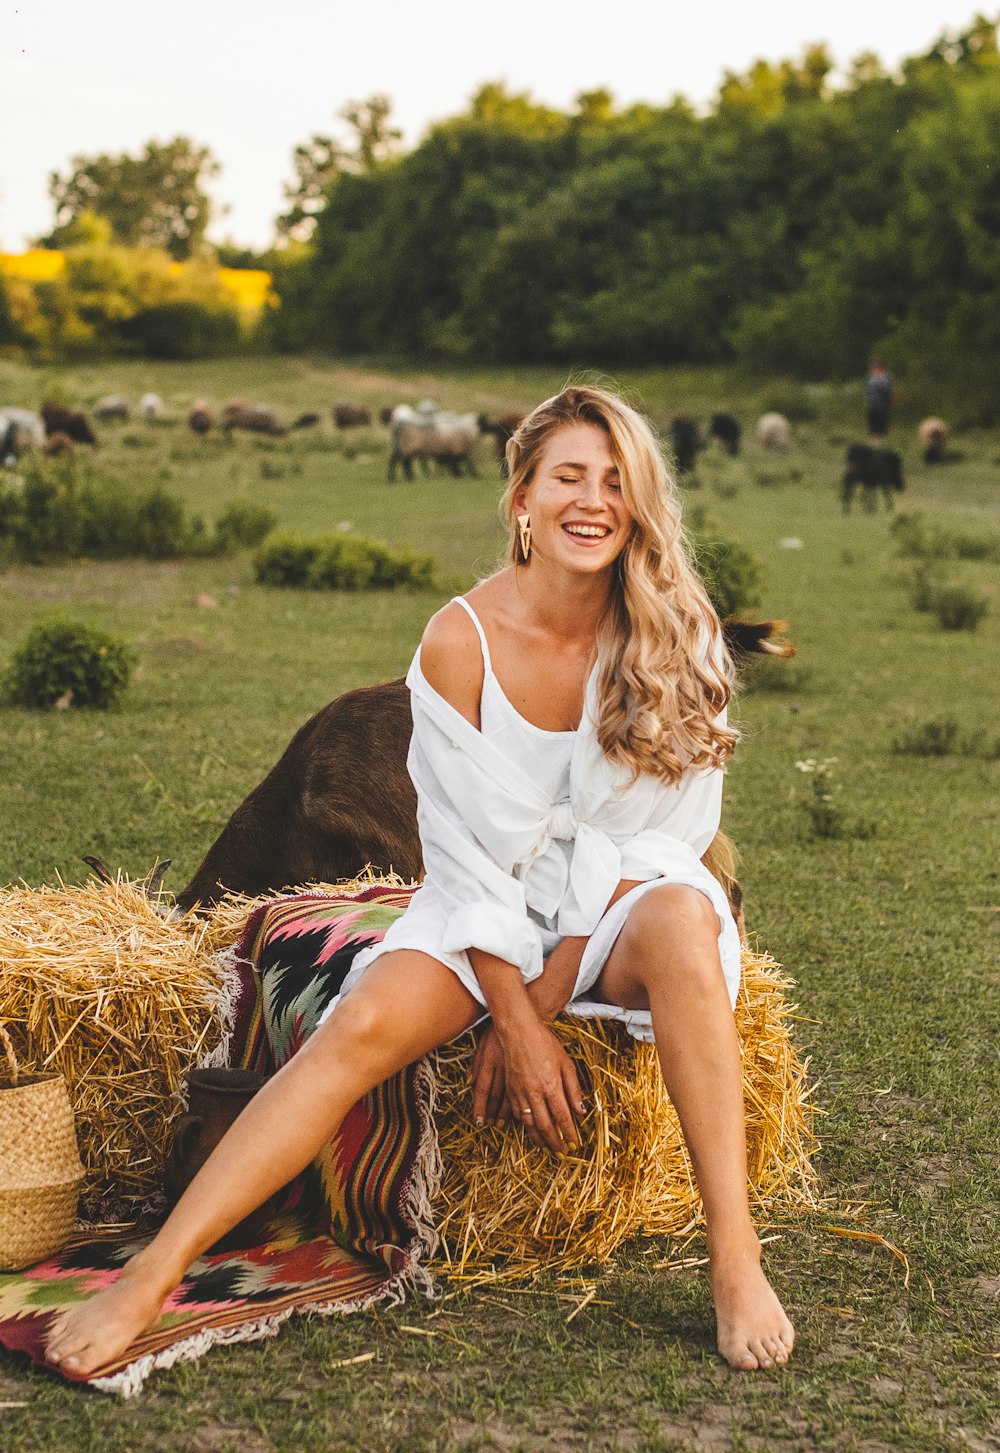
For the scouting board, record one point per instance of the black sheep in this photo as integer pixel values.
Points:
(728, 432)
(871, 468)
(685, 441)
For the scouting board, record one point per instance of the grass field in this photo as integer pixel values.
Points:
(893, 938)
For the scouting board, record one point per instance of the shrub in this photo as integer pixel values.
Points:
(936, 738)
(67, 662)
(243, 525)
(823, 812)
(285, 560)
(340, 562)
(730, 573)
(958, 609)
(57, 515)
(975, 547)
(913, 538)
(182, 330)
(925, 582)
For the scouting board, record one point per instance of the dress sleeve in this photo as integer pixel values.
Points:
(470, 833)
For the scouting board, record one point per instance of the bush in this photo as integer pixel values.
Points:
(67, 662)
(937, 738)
(975, 547)
(958, 609)
(58, 515)
(183, 330)
(285, 560)
(243, 525)
(913, 538)
(340, 562)
(730, 573)
(925, 582)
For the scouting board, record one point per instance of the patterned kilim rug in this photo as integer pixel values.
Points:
(350, 1232)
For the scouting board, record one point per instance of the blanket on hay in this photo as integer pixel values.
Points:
(352, 1231)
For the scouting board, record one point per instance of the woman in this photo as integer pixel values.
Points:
(568, 746)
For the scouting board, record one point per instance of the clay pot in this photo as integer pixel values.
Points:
(215, 1099)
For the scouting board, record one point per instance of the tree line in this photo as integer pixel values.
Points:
(793, 225)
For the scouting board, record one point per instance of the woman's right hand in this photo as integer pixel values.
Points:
(542, 1087)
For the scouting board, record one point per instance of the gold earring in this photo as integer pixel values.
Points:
(524, 537)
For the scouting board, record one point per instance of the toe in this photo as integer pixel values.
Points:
(760, 1352)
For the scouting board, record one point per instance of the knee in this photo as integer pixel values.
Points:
(672, 913)
(353, 1028)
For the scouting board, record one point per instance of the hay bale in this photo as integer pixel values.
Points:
(503, 1200)
(96, 984)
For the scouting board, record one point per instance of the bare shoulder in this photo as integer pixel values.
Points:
(451, 659)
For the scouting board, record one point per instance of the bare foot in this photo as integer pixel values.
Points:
(753, 1331)
(100, 1329)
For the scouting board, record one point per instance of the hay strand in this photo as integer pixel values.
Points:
(504, 1201)
(98, 986)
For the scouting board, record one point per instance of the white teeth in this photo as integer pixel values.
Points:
(591, 531)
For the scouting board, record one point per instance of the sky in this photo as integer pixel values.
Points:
(252, 81)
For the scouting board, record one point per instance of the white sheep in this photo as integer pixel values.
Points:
(112, 406)
(151, 407)
(20, 429)
(933, 434)
(774, 432)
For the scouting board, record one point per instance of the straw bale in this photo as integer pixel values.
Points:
(98, 986)
(503, 1200)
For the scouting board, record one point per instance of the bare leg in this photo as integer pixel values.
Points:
(666, 959)
(280, 1132)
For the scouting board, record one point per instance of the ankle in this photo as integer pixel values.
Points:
(733, 1243)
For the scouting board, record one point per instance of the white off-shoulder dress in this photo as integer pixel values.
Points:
(526, 834)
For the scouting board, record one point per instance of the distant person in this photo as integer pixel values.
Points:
(878, 398)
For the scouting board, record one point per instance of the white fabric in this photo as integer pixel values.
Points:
(510, 870)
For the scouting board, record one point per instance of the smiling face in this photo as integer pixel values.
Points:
(578, 517)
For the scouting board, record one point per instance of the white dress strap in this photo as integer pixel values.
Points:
(461, 600)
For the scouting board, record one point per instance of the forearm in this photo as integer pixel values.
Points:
(505, 992)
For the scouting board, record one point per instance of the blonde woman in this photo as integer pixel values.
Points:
(568, 751)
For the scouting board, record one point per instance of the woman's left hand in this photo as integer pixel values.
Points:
(489, 1080)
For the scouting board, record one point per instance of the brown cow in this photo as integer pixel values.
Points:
(340, 798)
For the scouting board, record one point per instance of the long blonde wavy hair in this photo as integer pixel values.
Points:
(665, 674)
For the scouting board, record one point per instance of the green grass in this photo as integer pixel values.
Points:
(891, 939)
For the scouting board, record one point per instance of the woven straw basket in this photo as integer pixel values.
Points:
(40, 1168)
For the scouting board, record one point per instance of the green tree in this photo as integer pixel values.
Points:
(370, 141)
(156, 199)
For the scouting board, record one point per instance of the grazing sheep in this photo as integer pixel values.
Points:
(728, 432)
(413, 437)
(305, 421)
(870, 468)
(59, 443)
(502, 429)
(113, 406)
(20, 430)
(340, 797)
(201, 418)
(774, 432)
(351, 416)
(685, 441)
(152, 407)
(58, 419)
(255, 418)
(455, 439)
(933, 435)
